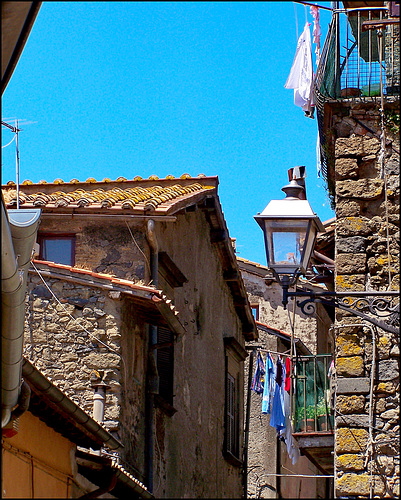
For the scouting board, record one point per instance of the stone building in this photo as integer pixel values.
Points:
(136, 306)
(359, 133)
(268, 463)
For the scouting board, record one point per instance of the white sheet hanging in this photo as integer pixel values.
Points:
(301, 75)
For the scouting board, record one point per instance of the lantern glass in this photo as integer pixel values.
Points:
(286, 243)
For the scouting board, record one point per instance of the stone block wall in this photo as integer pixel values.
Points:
(61, 339)
(367, 448)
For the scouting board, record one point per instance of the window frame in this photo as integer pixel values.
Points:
(235, 354)
(165, 369)
(43, 237)
(255, 311)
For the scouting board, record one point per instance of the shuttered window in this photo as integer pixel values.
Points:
(231, 417)
(165, 363)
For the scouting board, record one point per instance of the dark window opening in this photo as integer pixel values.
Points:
(58, 248)
(231, 417)
(165, 363)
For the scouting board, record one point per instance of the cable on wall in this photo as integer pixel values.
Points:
(75, 319)
(138, 247)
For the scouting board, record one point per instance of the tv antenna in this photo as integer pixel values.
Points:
(16, 130)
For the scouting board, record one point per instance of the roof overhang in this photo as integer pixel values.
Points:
(53, 407)
(109, 476)
(17, 19)
(152, 304)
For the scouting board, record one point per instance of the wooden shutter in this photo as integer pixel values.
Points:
(231, 412)
(165, 363)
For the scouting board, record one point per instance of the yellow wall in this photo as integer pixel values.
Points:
(36, 463)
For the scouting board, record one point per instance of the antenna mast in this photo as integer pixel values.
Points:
(17, 161)
(15, 130)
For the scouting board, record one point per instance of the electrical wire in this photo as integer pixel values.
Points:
(133, 239)
(382, 154)
(296, 19)
(9, 142)
(79, 324)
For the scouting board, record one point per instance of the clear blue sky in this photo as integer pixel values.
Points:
(109, 89)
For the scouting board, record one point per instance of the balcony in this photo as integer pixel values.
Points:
(313, 412)
(357, 63)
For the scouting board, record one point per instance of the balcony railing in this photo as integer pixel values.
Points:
(354, 60)
(312, 409)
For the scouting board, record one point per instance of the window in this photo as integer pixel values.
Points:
(59, 248)
(232, 434)
(235, 355)
(255, 311)
(165, 363)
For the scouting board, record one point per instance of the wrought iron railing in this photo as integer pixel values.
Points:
(312, 402)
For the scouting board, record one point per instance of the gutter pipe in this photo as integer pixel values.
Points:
(247, 421)
(153, 377)
(18, 231)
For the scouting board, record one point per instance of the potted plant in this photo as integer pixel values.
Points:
(306, 420)
(323, 415)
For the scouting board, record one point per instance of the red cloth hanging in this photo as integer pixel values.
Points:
(287, 383)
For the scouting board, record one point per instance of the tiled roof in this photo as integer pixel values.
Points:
(152, 302)
(137, 194)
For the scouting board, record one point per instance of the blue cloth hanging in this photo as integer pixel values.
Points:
(269, 386)
(277, 419)
(259, 376)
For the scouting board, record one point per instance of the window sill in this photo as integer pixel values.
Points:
(232, 459)
(166, 407)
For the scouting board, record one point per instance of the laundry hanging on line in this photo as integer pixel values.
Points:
(273, 382)
(301, 75)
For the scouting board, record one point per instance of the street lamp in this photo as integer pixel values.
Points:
(290, 229)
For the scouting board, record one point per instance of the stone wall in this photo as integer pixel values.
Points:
(60, 339)
(106, 245)
(367, 258)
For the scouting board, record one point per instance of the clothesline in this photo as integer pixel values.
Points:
(261, 349)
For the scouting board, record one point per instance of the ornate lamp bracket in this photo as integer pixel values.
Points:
(378, 308)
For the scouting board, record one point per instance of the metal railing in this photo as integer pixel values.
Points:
(356, 63)
(312, 405)
(353, 60)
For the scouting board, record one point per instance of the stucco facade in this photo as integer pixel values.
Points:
(37, 462)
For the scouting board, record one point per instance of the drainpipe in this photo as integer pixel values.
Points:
(247, 421)
(99, 399)
(18, 231)
(152, 378)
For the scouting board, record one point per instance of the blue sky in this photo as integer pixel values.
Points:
(109, 89)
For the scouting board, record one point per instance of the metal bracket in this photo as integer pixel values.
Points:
(378, 308)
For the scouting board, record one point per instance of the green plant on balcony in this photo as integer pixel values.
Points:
(310, 412)
(322, 409)
(392, 120)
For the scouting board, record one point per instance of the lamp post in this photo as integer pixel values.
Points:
(290, 229)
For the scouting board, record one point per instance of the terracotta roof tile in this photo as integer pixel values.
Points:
(130, 194)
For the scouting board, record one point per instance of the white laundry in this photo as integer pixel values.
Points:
(301, 75)
(314, 10)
